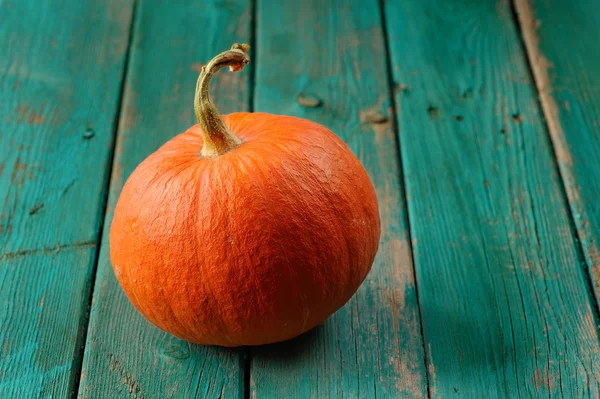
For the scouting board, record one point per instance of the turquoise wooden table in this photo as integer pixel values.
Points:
(478, 122)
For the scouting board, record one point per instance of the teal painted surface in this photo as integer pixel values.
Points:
(43, 302)
(60, 74)
(125, 355)
(563, 42)
(61, 67)
(506, 308)
(505, 305)
(333, 52)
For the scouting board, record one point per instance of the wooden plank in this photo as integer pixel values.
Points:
(61, 68)
(333, 52)
(125, 354)
(506, 307)
(562, 39)
(42, 323)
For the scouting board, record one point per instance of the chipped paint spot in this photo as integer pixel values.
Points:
(36, 208)
(410, 379)
(88, 133)
(32, 117)
(35, 118)
(309, 101)
(21, 111)
(129, 118)
(373, 116)
(433, 112)
(401, 87)
(431, 371)
(126, 377)
(543, 379)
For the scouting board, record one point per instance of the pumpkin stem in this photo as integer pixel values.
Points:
(218, 139)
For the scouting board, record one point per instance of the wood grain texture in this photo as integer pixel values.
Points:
(43, 302)
(61, 68)
(562, 40)
(506, 307)
(125, 355)
(325, 61)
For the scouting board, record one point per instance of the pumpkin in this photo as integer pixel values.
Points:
(246, 229)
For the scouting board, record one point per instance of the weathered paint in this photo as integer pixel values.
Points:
(505, 305)
(125, 354)
(42, 321)
(60, 76)
(562, 39)
(61, 68)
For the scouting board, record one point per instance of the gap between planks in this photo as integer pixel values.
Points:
(396, 130)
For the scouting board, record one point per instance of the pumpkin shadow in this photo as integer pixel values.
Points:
(461, 344)
(286, 351)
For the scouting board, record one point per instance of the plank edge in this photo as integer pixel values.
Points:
(427, 365)
(538, 64)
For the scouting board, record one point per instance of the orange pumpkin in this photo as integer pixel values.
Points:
(246, 229)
